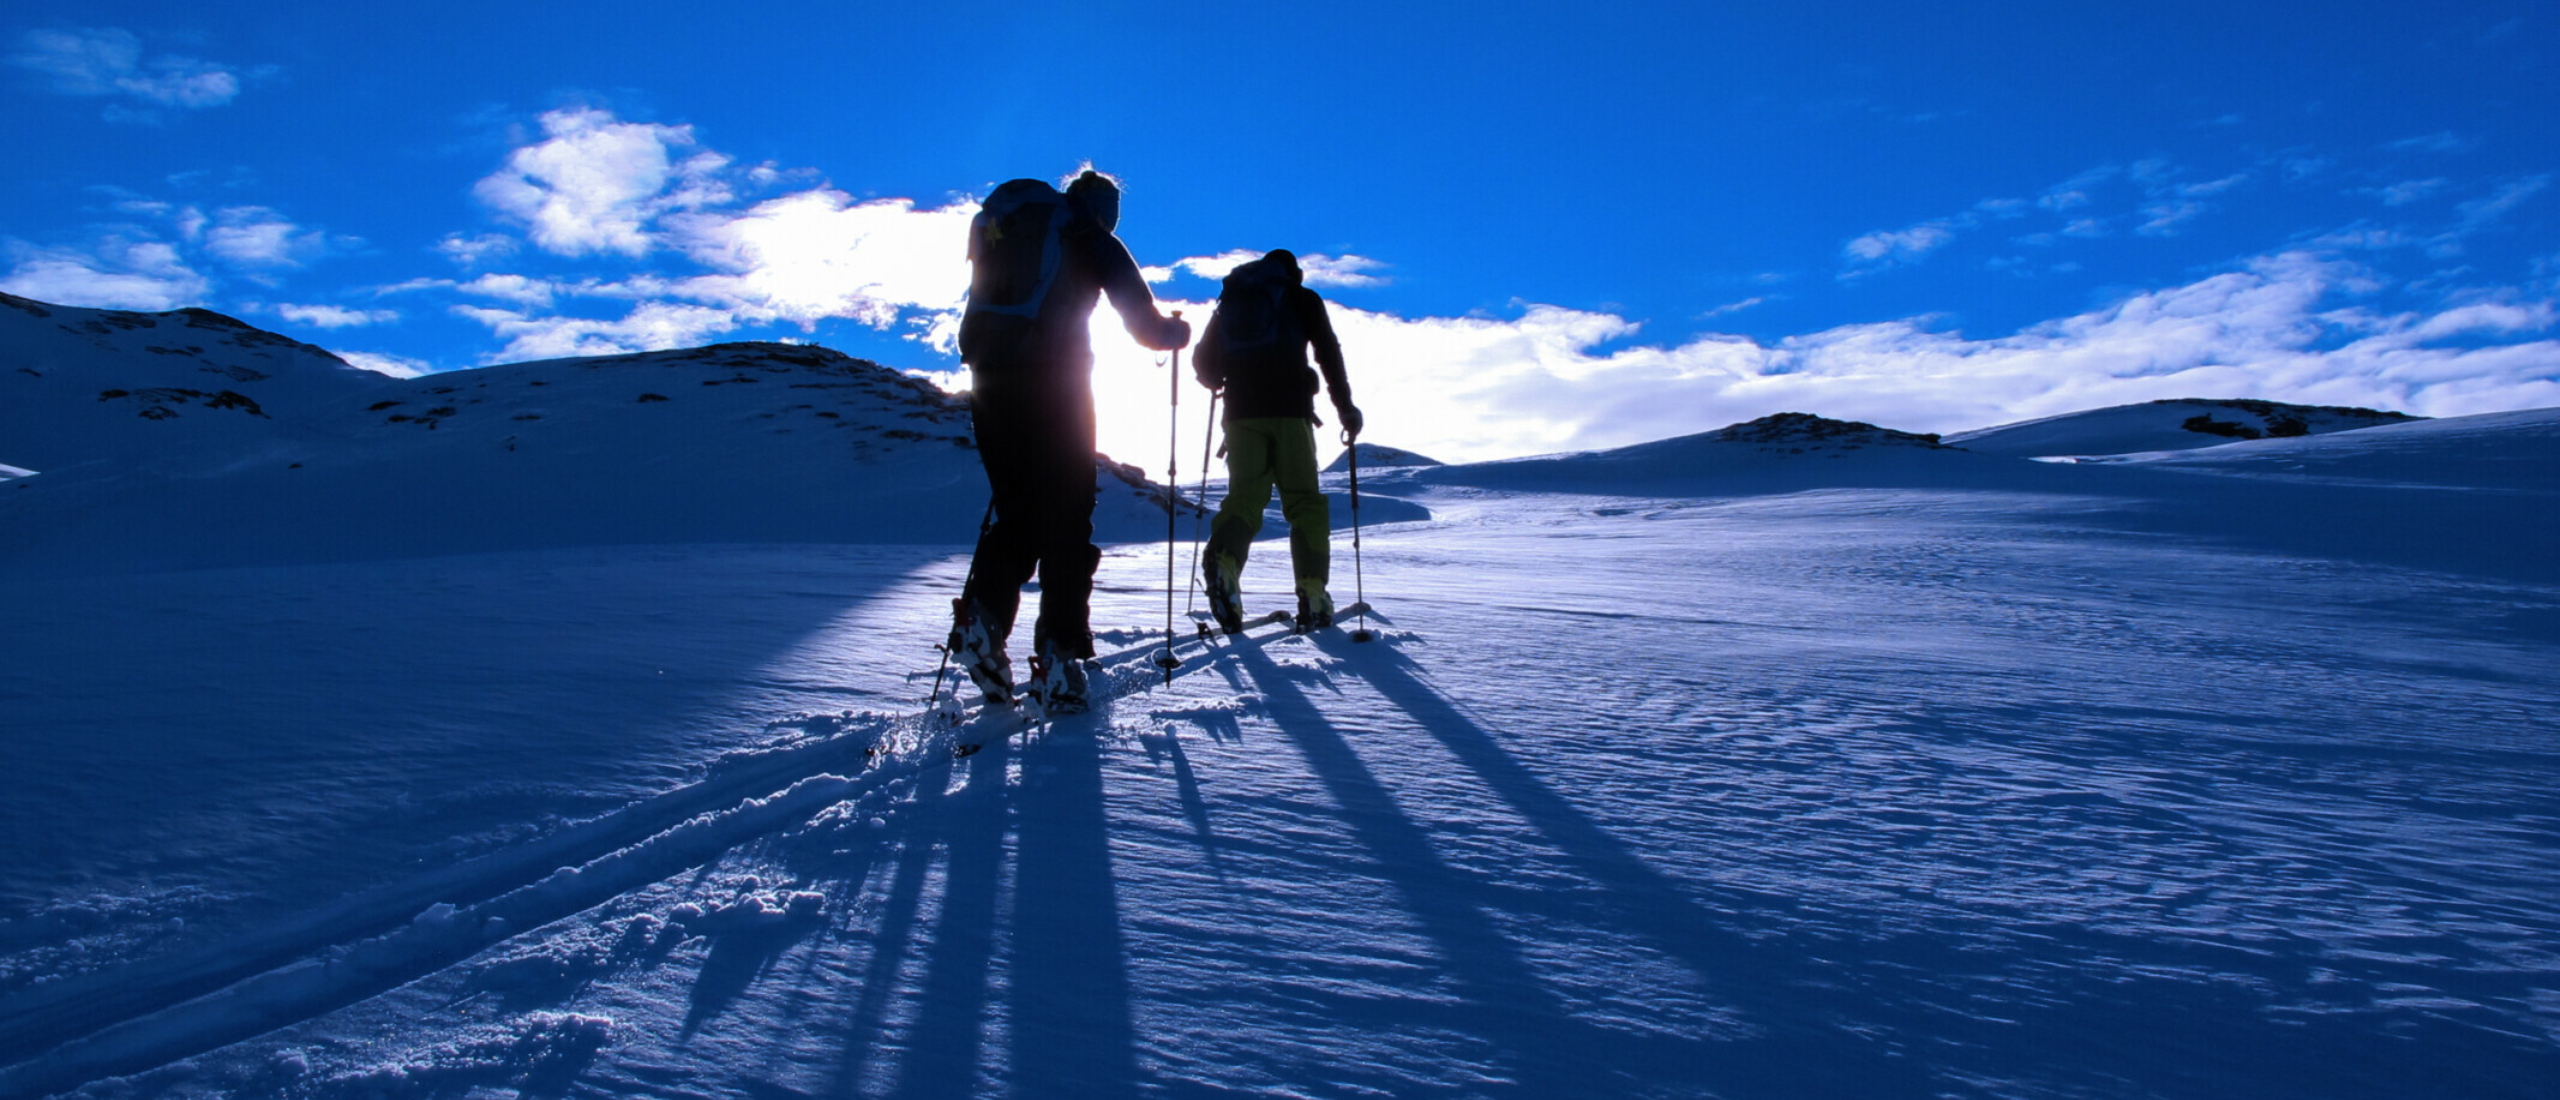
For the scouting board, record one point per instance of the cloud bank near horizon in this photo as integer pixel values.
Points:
(2294, 326)
(611, 236)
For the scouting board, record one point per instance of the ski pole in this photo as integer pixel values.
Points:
(1172, 501)
(1360, 583)
(1208, 435)
(971, 577)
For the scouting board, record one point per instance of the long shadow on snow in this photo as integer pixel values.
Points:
(739, 959)
(964, 832)
(1069, 1014)
(1504, 999)
(1073, 1033)
(2011, 1000)
(1796, 1056)
(942, 1051)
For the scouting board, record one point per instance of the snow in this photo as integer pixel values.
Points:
(2166, 426)
(1796, 759)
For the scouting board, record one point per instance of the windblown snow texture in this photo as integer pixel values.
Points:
(1802, 758)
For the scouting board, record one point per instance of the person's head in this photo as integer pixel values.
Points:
(1099, 193)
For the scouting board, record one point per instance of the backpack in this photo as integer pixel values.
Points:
(1260, 346)
(1016, 246)
(1254, 318)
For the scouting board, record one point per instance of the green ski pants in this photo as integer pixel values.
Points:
(1261, 453)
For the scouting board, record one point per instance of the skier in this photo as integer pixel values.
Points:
(1255, 351)
(1040, 262)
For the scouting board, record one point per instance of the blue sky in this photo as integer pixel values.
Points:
(1547, 227)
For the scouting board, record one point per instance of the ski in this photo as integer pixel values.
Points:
(1121, 673)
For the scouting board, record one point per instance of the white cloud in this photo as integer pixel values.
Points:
(116, 273)
(2286, 327)
(529, 293)
(325, 316)
(2479, 213)
(159, 259)
(2163, 219)
(596, 182)
(1340, 271)
(2362, 238)
(2073, 193)
(1320, 270)
(2493, 318)
(818, 254)
(1883, 249)
(109, 61)
(394, 365)
(1217, 267)
(2408, 191)
(2442, 141)
(597, 185)
(2212, 187)
(256, 238)
(650, 326)
(472, 251)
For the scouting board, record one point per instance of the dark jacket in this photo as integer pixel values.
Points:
(1058, 347)
(1277, 381)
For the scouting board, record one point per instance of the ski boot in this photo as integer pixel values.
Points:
(1058, 681)
(1314, 612)
(980, 652)
(1226, 600)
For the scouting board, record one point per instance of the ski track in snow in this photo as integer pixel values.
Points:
(1879, 794)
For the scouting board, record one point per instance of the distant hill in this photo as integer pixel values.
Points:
(1377, 456)
(80, 385)
(2173, 425)
(1784, 452)
(2502, 453)
(187, 439)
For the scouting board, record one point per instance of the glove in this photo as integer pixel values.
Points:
(1351, 420)
(1177, 333)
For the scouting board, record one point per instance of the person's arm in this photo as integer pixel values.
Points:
(1136, 304)
(1209, 360)
(1328, 348)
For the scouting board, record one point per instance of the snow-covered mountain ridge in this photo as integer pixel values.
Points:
(80, 385)
(243, 447)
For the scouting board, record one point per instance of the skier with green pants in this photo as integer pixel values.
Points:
(1254, 351)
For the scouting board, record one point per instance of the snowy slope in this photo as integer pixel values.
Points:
(2166, 426)
(1378, 456)
(2501, 452)
(1787, 452)
(81, 385)
(730, 443)
(1800, 759)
